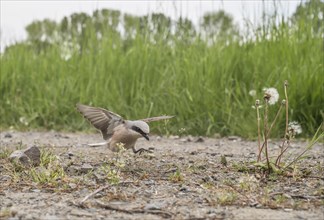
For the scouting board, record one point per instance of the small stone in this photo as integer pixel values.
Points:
(173, 137)
(86, 168)
(61, 136)
(199, 140)
(234, 138)
(149, 182)
(5, 178)
(30, 156)
(8, 135)
(72, 185)
(287, 196)
(99, 178)
(33, 153)
(19, 157)
(51, 217)
(153, 206)
(228, 155)
(73, 170)
(206, 179)
(184, 189)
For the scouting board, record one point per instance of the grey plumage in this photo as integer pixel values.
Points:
(115, 129)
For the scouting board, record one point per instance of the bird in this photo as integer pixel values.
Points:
(116, 130)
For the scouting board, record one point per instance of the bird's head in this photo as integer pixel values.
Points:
(141, 128)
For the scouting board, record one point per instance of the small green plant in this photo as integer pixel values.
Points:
(112, 175)
(119, 161)
(176, 176)
(223, 160)
(292, 129)
(50, 171)
(6, 213)
(227, 198)
(46, 176)
(112, 171)
(5, 153)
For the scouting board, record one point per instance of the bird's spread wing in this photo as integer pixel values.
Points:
(102, 119)
(158, 118)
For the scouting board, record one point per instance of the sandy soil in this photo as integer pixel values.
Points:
(183, 178)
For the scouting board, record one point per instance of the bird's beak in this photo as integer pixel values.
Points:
(146, 136)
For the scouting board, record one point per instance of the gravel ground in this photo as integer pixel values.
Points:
(182, 178)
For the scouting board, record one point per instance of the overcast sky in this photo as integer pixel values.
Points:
(15, 15)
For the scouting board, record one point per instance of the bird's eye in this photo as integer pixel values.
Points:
(135, 128)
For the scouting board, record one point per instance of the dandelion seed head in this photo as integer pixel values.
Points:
(181, 130)
(252, 93)
(272, 95)
(295, 128)
(23, 120)
(283, 102)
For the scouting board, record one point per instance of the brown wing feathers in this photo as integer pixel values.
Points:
(156, 118)
(106, 121)
(103, 120)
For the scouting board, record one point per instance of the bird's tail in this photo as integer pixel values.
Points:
(97, 144)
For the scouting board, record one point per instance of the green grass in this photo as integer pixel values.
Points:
(205, 87)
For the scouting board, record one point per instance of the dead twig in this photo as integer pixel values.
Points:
(93, 193)
(306, 197)
(164, 214)
(101, 189)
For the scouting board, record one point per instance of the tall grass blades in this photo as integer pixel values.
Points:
(158, 66)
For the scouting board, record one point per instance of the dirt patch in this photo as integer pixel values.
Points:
(183, 178)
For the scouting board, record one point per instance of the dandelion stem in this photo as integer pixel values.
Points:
(257, 105)
(269, 131)
(286, 138)
(274, 120)
(266, 132)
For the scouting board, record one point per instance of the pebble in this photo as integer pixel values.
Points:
(184, 189)
(73, 170)
(8, 135)
(20, 157)
(85, 168)
(234, 138)
(5, 178)
(199, 140)
(154, 206)
(149, 182)
(27, 157)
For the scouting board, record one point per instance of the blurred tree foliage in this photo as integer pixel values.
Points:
(124, 28)
(311, 12)
(82, 31)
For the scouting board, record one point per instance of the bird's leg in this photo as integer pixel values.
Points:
(140, 151)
